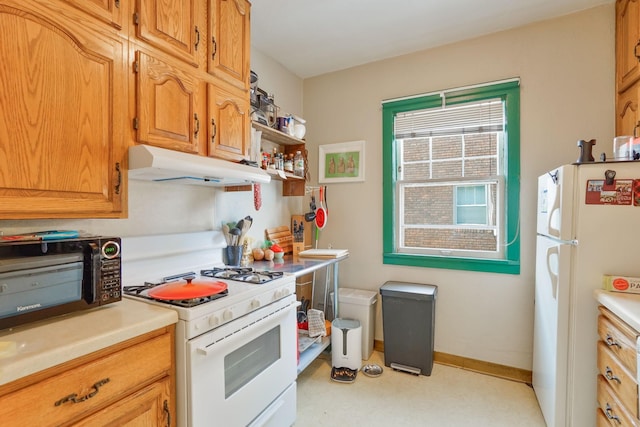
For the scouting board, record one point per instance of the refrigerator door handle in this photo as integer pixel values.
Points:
(554, 209)
(553, 276)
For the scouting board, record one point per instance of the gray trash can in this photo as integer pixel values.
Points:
(408, 316)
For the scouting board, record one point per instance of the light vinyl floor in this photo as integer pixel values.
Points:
(448, 397)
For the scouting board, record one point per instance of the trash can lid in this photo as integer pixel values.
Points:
(345, 324)
(409, 290)
(356, 296)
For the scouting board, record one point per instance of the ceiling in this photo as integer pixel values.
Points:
(313, 37)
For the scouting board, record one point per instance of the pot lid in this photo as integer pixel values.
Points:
(189, 290)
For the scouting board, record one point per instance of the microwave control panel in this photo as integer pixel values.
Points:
(110, 288)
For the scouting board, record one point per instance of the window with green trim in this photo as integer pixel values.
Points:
(451, 185)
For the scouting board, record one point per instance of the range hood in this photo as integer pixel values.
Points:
(149, 163)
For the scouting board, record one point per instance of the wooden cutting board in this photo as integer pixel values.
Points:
(282, 236)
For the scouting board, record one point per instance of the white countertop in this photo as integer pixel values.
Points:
(624, 305)
(30, 348)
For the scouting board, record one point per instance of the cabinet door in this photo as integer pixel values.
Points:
(229, 50)
(627, 114)
(229, 125)
(176, 27)
(109, 11)
(627, 43)
(147, 407)
(63, 147)
(170, 106)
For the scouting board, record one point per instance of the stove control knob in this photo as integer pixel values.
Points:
(227, 315)
(276, 295)
(213, 321)
(255, 303)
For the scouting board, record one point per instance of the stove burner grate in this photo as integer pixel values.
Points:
(243, 274)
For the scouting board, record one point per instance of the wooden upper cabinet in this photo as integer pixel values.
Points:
(175, 27)
(170, 106)
(627, 114)
(229, 124)
(62, 106)
(627, 43)
(229, 49)
(108, 11)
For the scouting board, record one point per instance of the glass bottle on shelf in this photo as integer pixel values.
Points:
(298, 164)
(288, 163)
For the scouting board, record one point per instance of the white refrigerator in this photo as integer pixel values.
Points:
(587, 226)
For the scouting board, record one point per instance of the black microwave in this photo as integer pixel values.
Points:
(41, 279)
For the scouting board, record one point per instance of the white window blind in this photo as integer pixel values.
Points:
(486, 116)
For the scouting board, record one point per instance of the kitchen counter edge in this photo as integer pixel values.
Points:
(298, 266)
(625, 306)
(27, 349)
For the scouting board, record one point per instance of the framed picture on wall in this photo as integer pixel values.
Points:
(342, 162)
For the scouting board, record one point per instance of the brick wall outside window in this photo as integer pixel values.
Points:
(444, 157)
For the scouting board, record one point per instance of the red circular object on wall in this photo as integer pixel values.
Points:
(321, 218)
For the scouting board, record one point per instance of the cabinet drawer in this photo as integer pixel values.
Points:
(146, 407)
(612, 411)
(620, 339)
(619, 378)
(97, 384)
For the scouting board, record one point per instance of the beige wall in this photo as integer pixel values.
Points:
(566, 67)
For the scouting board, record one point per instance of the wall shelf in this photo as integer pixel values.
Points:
(310, 354)
(282, 175)
(292, 185)
(276, 136)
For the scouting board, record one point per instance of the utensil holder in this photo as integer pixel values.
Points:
(233, 255)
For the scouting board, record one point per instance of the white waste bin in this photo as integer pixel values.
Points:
(346, 350)
(360, 305)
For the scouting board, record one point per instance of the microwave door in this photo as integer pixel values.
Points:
(25, 292)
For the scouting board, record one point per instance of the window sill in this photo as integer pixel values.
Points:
(452, 263)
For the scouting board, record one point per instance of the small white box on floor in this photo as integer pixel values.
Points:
(346, 344)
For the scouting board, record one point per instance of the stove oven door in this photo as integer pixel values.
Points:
(242, 371)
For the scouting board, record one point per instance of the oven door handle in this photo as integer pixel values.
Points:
(212, 348)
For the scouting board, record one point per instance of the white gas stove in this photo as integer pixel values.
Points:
(235, 350)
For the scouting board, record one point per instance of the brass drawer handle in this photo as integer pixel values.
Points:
(611, 341)
(609, 375)
(609, 413)
(74, 396)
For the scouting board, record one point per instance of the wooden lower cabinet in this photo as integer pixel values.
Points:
(612, 412)
(617, 369)
(146, 407)
(131, 383)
